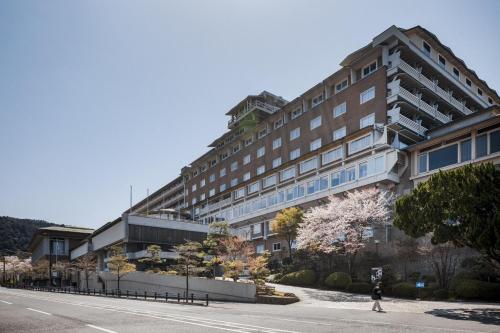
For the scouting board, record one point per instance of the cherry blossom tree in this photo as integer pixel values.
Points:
(340, 226)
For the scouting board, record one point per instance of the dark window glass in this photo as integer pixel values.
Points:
(456, 72)
(422, 163)
(442, 60)
(469, 83)
(443, 157)
(494, 142)
(490, 100)
(427, 47)
(480, 92)
(465, 151)
(481, 146)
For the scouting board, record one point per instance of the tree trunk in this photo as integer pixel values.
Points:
(187, 283)
(118, 276)
(289, 239)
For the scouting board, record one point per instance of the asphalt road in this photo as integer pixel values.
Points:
(35, 311)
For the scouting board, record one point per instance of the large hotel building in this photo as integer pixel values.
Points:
(399, 109)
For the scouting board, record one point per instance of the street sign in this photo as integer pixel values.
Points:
(376, 274)
(420, 284)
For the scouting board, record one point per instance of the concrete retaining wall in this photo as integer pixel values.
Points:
(139, 281)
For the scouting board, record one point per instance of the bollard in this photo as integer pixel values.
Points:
(166, 297)
(94, 291)
(192, 298)
(155, 295)
(178, 297)
(119, 293)
(136, 294)
(207, 298)
(127, 293)
(145, 293)
(88, 292)
(105, 292)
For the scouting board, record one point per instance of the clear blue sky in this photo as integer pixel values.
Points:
(99, 95)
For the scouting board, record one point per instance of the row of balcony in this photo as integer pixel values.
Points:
(252, 106)
(396, 117)
(447, 96)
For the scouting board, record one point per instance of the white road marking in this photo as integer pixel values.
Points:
(5, 302)
(101, 329)
(39, 311)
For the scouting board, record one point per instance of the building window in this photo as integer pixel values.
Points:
(213, 162)
(246, 176)
(262, 133)
(223, 156)
(479, 92)
(339, 134)
(427, 48)
(332, 155)
(308, 165)
(481, 145)
(422, 163)
(367, 95)
(443, 157)
(234, 182)
(295, 133)
(252, 188)
(276, 143)
(339, 110)
(341, 85)
(360, 144)
(211, 193)
(317, 185)
(278, 123)
(236, 149)
(222, 172)
(363, 169)
(195, 173)
(317, 100)
(315, 123)
(468, 82)
(490, 100)
(246, 159)
(240, 193)
(234, 166)
(202, 182)
(367, 70)
(369, 120)
(212, 178)
(202, 197)
(222, 187)
(276, 247)
(295, 113)
(248, 141)
(316, 144)
(441, 61)
(276, 162)
(269, 181)
(261, 151)
(193, 201)
(295, 154)
(57, 247)
(193, 188)
(261, 169)
(287, 174)
(259, 249)
(465, 151)
(456, 72)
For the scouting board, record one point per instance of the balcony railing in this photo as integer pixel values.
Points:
(251, 106)
(429, 84)
(396, 89)
(397, 117)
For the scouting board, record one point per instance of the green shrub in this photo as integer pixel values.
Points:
(473, 289)
(405, 290)
(441, 294)
(360, 288)
(428, 278)
(414, 277)
(304, 277)
(338, 280)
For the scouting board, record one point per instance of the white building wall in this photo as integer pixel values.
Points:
(109, 236)
(79, 251)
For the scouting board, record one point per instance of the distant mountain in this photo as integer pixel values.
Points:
(15, 234)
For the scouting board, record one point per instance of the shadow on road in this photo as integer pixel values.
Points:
(482, 315)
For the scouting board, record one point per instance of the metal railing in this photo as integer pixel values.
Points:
(191, 298)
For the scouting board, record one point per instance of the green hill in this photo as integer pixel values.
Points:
(15, 233)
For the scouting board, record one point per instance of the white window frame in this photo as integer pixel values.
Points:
(261, 151)
(296, 113)
(277, 143)
(278, 123)
(362, 95)
(285, 172)
(315, 144)
(234, 182)
(211, 193)
(341, 83)
(342, 108)
(332, 151)
(247, 176)
(211, 178)
(261, 169)
(193, 188)
(234, 166)
(253, 188)
(202, 182)
(308, 165)
(276, 163)
(339, 130)
(439, 62)
(247, 159)
(294, 154)
(295, 134)
(358, 149)
(371, 71)
(277, 249)
(369, 117)
(239, 193)
(317, 100)
(222, 172)
(315, 123)
(266, 184)
(222, 187)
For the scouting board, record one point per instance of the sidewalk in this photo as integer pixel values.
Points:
(342, 300)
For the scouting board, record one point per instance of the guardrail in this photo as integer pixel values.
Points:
(192, 299)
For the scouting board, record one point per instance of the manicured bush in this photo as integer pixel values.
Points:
(304, 277)
(338, 280)
(360, 287)
(474, 289)
(441, 294)
(414, 277)
(405, 290)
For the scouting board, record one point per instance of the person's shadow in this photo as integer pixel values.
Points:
(488, 316)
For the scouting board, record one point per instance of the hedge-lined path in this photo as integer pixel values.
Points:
(343, 300)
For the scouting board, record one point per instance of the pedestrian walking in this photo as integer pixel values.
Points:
(377, 296)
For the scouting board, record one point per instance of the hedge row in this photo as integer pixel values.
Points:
(304, 277)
